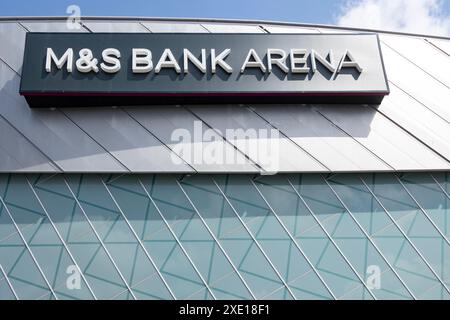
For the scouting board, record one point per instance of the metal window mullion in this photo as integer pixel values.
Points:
(28, 248)
(447, 202)
(331, 239)
(139, 241)
(435, 285)
(370, 239)
(99, 239)
(61, 238)
(439, 185)
(176, 239)
(215, 239)
(141, 244)
(294, 241)
(8, 282)
(255, 241)
(422, 210)
(405, 235)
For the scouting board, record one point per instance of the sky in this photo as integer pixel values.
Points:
(418, 16)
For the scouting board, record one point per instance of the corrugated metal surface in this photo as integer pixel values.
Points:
(175, 27)
(443, 45)
(252, 136)
(422, 54)
(165, 124)
(53, 26)
(321, 138)
(12, 39)
(115, 27)
(232, 28)
(283, 29)
(408, 132)
(417, 83)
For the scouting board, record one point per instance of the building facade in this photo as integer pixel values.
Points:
(102, 203)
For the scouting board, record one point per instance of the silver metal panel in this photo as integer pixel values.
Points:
(252, 138)
(385, 139)
(320, 138)
(417, 83)
(18, 154)
(443, 45)
(50, 26)
(358, 139)
(284, 29)
(97, 26)
(164, 122)
(418, 120)
(330, 30)
(176, 27)
(51, 132)
(12, 39)
(8, 163)
(232, 28)
(421, 53)
(126, 140)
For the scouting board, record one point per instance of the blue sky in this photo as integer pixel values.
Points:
(312, 11)
(419, 16)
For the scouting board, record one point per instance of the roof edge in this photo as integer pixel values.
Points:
(219, 20)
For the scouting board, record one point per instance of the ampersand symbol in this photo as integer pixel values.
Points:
(86, 63)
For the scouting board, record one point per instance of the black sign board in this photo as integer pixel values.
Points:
(107, 69)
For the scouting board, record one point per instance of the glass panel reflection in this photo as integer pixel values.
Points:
(291, 236)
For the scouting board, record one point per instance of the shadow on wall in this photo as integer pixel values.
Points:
(75, 134)
(173, 195)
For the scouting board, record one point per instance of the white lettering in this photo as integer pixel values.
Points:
(67, 57)
(327, 64)
(253, 61)
(350, 63)
(299, 57)
(219, 60)
(167, 60)
(280, 61)
(87, 63)
(188, 56)
(141, 60)
(111, 60)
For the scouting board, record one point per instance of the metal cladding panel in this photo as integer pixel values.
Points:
(418, 120)
(12, 40)
(115, 27)
(422, 54)
(284, 29)
(443, 45)
(176, 27)
(385, 139)
(51, 132)
(321, 138)
(418, 84)
(251, 136)
(329, 30)
(136, 148)
(166, 123)
(18, 154)
(232, 28)
(407, 132)
(52, 26)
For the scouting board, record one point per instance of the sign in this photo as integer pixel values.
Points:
(119, 69)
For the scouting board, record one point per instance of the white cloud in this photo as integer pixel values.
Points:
(415, 16)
